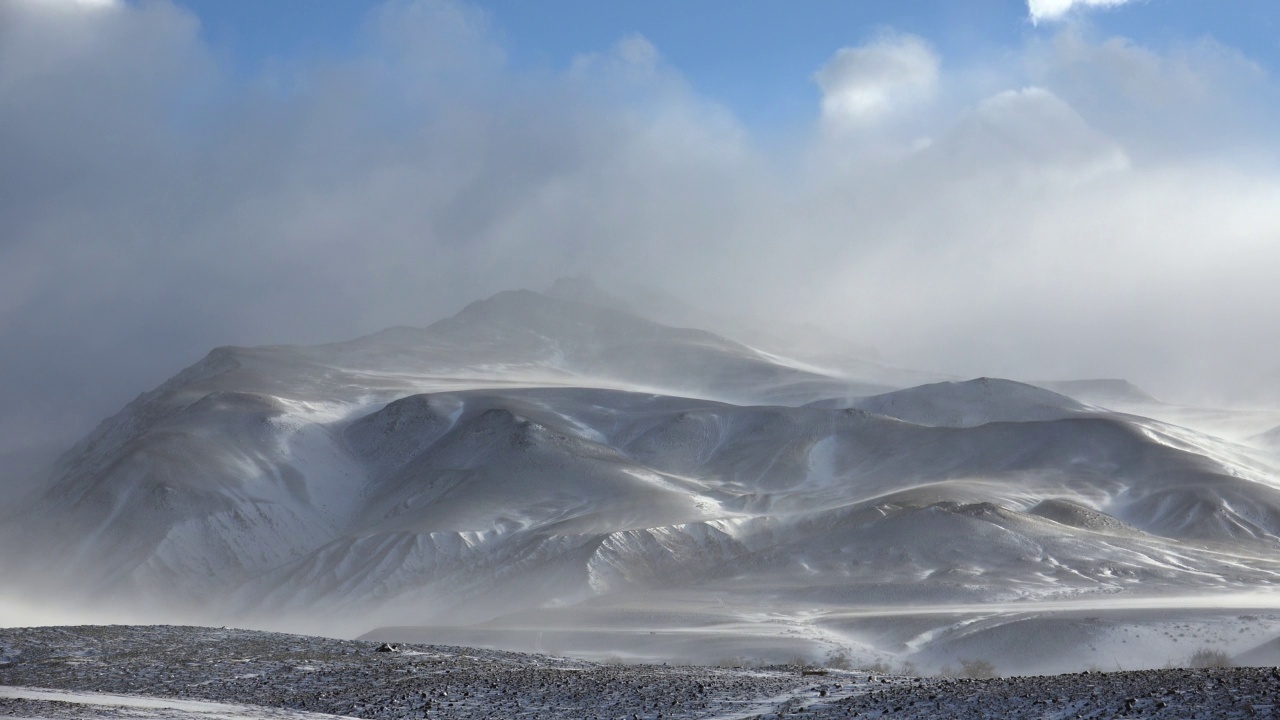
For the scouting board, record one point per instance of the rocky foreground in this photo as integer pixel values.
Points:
(183, 672)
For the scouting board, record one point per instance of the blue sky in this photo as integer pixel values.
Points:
(756, 57)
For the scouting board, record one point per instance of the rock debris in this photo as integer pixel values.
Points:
(289, 676)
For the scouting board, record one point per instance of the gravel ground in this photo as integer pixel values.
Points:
(279, 676)
(1208, 693)
(354, 678)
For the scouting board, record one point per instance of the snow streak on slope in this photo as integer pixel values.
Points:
(137, 706)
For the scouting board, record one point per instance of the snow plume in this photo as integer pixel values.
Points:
(1050, 10)
(1015, 217)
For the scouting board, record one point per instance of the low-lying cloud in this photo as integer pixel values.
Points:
(1028, 219)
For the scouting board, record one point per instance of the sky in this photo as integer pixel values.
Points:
(1038, 190)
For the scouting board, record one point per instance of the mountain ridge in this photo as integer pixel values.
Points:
(535, 454)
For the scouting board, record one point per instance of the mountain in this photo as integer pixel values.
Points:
(971, 403)
(775, 339)
(541, 464)
(1107, 392)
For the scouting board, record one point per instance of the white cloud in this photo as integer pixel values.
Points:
(73, 5)
(632, 59)
(1034, 133)
(153, 207)
(1159, 99)
(1049, 10)
(637, 50)
(864, 84)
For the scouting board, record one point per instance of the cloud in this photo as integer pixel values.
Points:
(155, 204)
(867, 83)
(1050, 10)
(1160, 99)
(73, 5)
(1035, 131)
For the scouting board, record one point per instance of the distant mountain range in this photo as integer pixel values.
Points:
(540, 458)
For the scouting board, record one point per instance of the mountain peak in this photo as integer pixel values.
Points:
(972, 402)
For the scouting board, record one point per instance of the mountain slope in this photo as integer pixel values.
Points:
(976, 402)
(542, 455)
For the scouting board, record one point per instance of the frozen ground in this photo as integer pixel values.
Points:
(191, 667)
(189, 673)
(42, 703)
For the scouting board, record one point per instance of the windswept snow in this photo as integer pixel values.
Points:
(138, 706)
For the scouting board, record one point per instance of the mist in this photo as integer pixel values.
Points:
(1081, 206)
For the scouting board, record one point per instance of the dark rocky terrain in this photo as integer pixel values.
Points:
(354, 678)
(175, 672)
(1172, 693)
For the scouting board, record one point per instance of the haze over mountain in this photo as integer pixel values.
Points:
(1092, 194)
(540, 470)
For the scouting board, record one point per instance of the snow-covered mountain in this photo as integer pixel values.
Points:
(535, 460)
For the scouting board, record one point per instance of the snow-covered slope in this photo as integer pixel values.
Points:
(976, 402)
(615, 490)
(535, 454)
